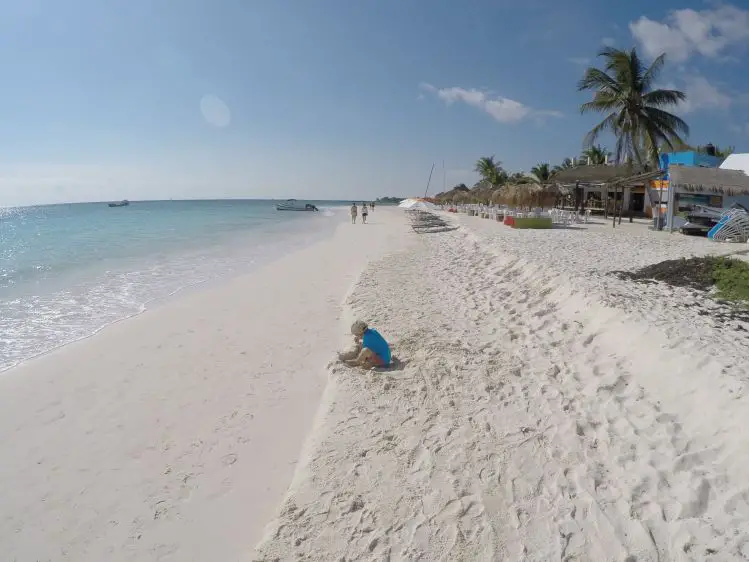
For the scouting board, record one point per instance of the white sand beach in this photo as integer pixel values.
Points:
(540, 409)
(174, 435)
(545, 410)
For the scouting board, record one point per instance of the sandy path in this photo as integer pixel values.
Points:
(173, 435)
(536, 417)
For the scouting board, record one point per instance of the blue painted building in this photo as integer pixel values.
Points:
(660, 193)
(689, 158)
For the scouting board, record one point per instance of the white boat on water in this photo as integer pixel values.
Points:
(294, 205)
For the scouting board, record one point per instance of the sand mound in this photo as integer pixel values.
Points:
(531, 421)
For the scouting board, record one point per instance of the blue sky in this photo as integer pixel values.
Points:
(328, 99)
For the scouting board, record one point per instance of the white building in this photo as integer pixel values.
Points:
(736, 162)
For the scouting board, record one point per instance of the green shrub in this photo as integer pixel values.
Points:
(533, 222)
(731, 278)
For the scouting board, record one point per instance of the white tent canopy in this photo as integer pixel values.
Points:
(736, 162)
(414, 204)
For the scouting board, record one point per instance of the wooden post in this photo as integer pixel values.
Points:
(621, 206)
(629, 209)
(605, 199)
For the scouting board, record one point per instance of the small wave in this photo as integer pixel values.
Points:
(330, 211)
(35, 324)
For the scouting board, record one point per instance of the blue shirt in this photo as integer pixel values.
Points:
(374, 341)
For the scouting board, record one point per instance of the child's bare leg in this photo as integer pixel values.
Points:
(365, 358)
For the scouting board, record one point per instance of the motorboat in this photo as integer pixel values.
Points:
(294, 205)
(123, 203)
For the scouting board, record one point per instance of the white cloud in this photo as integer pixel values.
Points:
(501, 109)
(701, 94)
(685, 32)
(608, 41)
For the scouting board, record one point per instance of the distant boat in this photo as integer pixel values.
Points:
(123, 203)
(294, 205)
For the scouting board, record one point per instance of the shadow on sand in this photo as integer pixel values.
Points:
(395, 365)
(568, 227)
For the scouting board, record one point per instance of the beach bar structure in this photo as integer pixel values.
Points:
(689, 186)
(627, 184)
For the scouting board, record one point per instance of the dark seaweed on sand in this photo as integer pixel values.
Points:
(729, 276)
(694, 273)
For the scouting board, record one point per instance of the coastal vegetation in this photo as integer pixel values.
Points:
(724, 152)
(635, 113)
(491, 171)
(728, 277)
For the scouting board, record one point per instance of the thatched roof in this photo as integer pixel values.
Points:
(709, 180)
(605, 174)
(525, 194)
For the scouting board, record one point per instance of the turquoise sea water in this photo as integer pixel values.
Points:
(66, 271)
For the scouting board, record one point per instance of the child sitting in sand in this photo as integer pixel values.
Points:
(371, 349)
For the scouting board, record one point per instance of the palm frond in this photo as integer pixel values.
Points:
(601, 103)
(597, 79)
(608, 124)
(611, 54)
(652, 73)
(668, 120)
(663, 97)
(595, 155)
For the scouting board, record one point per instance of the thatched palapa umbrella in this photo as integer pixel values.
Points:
(527, 195)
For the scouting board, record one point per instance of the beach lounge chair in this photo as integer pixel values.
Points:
(425, 222)
(732, 227)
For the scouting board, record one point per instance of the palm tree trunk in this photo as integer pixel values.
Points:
(616, 192)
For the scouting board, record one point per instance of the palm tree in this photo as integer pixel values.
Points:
(565, 165)
(491, 170)
(623, 90)
(517, 178)
(542, 172)
(719, 152)
(595, 155)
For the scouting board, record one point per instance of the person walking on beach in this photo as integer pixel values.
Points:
(364, 213)
(354, 212)
(372, 206)
(370, 350)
